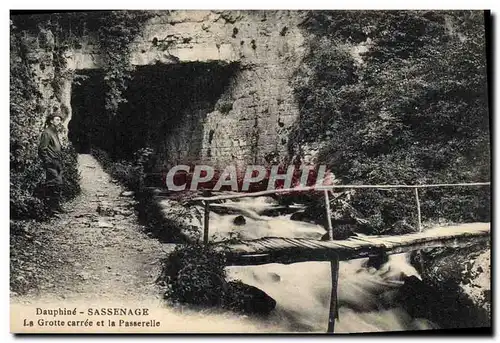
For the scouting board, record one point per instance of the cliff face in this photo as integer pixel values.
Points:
(250, 121)
(462, 282)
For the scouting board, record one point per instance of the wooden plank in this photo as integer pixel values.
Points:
(316, 244)
(296, 243)
(273, 242)
(268, 244)
(367, 241)
(237, 248)
(290, 250)
(344, 243)
(449, 243)
(307, 243)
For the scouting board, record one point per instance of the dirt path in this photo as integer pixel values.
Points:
(88, 254)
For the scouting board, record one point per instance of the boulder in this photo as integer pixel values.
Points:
(340, 232)
(376, 260)
(239, 220)
(458, 285)
(300, 216)
(248, 299)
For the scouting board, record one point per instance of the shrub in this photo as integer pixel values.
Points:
(26, 114)
(24, 188)
(130, 173)
(171, 228)
(101, 156)
(71, 175)
(194, 274)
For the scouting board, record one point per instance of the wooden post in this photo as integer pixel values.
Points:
(333, 313)
(205, 226)
(328, 215)
(419, 218)
(418, 210)
(334, 268)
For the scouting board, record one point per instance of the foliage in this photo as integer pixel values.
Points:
(129, 173)
(24, 187)
(26, 172)
(194, 274)
(116, 33)
(410, 108)
(26, 252)
(171, 228)
(71, 175)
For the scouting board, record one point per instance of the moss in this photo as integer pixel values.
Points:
(224, 106)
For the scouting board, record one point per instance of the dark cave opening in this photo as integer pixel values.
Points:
(88, 120)
(163, 102)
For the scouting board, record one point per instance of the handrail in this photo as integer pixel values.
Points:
(323, 188)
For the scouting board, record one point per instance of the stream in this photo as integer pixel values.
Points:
(366, 296)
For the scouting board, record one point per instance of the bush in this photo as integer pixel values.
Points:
(130, 173)
(71, 175)
(26, 186)
(194, 274)
(102, 157)
(25, 190)
(26, 115)
(171, 228)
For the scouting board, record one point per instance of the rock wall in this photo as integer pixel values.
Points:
(250, 122)
(461, 278)
(41, 61)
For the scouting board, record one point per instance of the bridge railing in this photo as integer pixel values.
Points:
(207, 200)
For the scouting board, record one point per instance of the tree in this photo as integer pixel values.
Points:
(411, 109)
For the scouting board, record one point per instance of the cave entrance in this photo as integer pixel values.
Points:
(165, 110)
(87, 106)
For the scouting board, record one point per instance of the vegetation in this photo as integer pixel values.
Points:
(27, 115)
(195, 274)
(129, 173)
(117, 31)
(71, 175)
(399, 97)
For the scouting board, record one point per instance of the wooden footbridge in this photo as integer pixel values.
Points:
(291, 250)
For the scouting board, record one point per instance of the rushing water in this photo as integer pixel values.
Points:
(302, 290)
